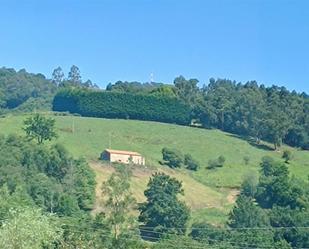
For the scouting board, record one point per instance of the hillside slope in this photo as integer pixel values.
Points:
(208, 192)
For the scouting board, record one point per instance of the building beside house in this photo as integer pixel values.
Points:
(122, 156)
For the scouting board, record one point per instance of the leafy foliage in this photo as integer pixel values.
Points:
(40, 128)
(172, 158)
(122, 105)
(118, 204)
(46, 177)
(19, 88)
(217, 163)
(287, 156)
(247, 214)
(272, 114)
(190, 163)
(163, 212)
(28, 229)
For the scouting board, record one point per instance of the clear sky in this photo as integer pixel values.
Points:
(263, 40)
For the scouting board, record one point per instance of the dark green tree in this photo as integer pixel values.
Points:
(190, 163)
(287, 156)
(40, 128)
(172, 158)
(247, 214)
(163, 212)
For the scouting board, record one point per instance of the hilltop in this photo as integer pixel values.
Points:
(208, 192)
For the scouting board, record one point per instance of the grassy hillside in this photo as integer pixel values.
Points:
(210, 193)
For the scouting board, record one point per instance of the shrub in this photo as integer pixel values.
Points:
(190, 163)
(287, 156)
(246, 160)
(212, 164)
(219, 162)
(172, 158)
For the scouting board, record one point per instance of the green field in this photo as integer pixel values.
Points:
(210, 193)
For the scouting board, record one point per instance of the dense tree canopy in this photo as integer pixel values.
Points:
(25, 91)
(163, 212)
(40, 128)
(111, 104)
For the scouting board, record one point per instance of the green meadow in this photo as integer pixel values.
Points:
(209, 193)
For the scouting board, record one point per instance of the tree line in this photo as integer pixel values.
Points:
(122, 105)
(250, 110)
(25, 92)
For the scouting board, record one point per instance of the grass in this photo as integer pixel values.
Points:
(206, 191)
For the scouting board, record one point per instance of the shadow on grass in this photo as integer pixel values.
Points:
(252, 142)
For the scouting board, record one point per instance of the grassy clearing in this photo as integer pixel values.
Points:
(207, 191)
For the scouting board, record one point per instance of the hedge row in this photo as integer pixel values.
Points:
(107, 104)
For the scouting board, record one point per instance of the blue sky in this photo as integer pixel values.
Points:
(261, 40)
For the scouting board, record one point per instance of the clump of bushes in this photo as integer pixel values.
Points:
(216, 163)
(190, 163)
(287, 156)
(172, 158)
(175, 159)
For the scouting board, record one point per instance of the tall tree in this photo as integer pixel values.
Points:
(119, 205)
(74, 75)
(58, 76)
(163, 212)
(187, 90)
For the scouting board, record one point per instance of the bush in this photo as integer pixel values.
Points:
(287, 156)
(212, 164)
(172, 158)
(219, 162)
(190, 163)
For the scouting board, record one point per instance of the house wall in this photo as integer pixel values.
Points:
(121, 158)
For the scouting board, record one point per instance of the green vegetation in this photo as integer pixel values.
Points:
(163, 212)
(23, 91)
(172, 158)
(214, 190)
(122, 105)
(287, 156)
(88, 137)
(40, 128)
(216, 163)
(15, 232)
(51, 198)
(175, 159)
(119, 204)
(249, 110)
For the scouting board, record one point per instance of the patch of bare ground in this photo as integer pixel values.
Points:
(232, 196)
(197, 195)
